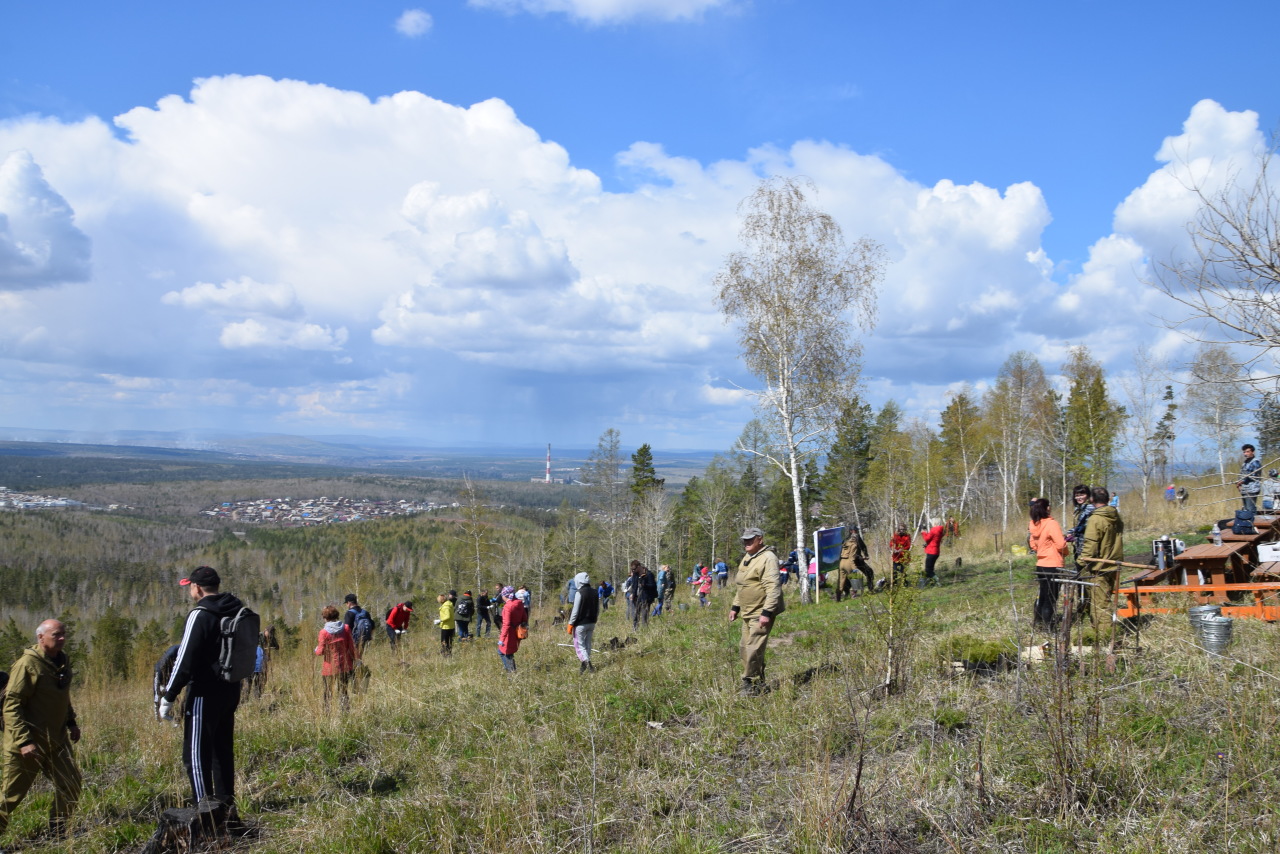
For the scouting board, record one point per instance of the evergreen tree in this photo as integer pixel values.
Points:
(644, 476)
(847, 463)
(1163, 438)
(1093, 421)
(113, 643)
(12, 643)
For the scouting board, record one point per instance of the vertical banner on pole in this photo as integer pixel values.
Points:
(826, 545)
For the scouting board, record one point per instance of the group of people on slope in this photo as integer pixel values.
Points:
(1097, 540)
(40, 722)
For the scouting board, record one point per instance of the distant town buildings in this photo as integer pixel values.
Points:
(291, 512)
(11, 500)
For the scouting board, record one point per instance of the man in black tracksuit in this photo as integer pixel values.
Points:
(209, 720)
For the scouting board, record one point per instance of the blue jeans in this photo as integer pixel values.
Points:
(508, 662)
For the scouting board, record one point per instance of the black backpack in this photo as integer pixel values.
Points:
(363, 625)
(1243, 523)
(465, 609)
(238, 650)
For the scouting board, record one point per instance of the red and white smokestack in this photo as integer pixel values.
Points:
(548, 462)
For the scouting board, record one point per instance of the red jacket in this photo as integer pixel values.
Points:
(398, 619)
(932, 540)
(513, 617)
(339, 651)
(900, 546)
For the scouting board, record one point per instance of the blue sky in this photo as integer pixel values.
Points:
(523, 251)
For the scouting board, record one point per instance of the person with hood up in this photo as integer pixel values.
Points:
(40, 727)
(582, 620)
(209, 715)
(1103, 547)
(513, 619)
(338, 648)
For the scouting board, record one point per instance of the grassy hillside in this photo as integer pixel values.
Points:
(657, 752)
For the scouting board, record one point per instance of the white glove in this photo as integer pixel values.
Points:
(165, 708)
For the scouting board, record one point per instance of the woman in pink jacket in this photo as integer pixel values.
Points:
(338, 648)
(1046, 539)
(514, 617)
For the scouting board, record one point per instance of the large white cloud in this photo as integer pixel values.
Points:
(40, 244)
(290, 244)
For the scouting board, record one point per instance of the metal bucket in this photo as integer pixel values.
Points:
(1216, 634)
(1198, 614)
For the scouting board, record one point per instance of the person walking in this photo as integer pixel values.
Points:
(513, 619)
(663, 572)
(582, 620)
(722, 574)
(338, 649)
(209, 716)
(645, 590)
(39, 728)
(757, 601)
(704, 585)
(1049, 545)
(446, 623)
(359, 622)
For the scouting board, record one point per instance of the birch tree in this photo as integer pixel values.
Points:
(609, 497)
(1015, 410)
(1229, 286)
(1215, 402)
(797, 291)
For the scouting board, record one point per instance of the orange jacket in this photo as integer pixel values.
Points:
(1048, 543)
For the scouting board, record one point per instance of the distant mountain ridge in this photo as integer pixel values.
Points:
(348, 452)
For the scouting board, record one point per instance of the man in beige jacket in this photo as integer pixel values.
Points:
(757, 601)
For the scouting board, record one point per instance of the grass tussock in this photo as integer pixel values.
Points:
(658, 752)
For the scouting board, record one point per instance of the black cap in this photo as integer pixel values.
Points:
(350, 597)
(204, 576)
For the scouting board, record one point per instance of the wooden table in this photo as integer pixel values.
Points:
(1224, 564)
(1250, 541)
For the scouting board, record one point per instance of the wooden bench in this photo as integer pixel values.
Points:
(1269, 571)
(1155, 575)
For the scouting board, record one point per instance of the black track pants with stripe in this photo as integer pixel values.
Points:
(208, 744)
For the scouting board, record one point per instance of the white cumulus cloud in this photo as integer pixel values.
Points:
(413, 23)
(40, 244)
(280, 248)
